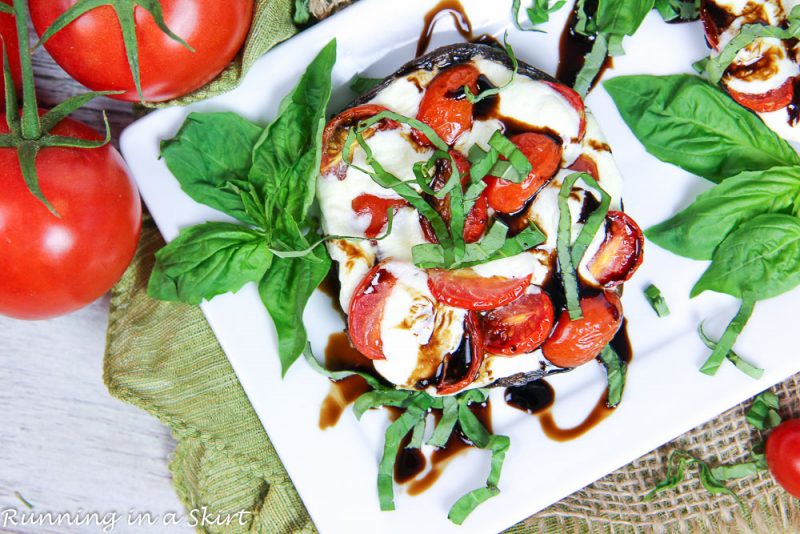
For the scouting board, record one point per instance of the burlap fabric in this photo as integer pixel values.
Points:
(164, 358)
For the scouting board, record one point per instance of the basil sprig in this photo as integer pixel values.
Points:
(570, 254)
(265, 178)
(748, 225)
(714, 67)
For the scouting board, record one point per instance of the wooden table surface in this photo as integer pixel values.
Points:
(66, 445)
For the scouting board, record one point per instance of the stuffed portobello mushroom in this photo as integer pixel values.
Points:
(486, 243)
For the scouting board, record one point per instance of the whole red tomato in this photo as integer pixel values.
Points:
(91, 49)
(783, 456)
(52, 265)
(8, 31)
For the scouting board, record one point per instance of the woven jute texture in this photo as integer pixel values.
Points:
(164, 358)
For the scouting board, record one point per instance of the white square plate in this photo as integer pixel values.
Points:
(335, 470)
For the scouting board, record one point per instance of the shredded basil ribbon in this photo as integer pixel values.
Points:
(763, 414)
(474, 99)
(569, 254)
(656, 300)
(744, 366)
(728, 339)
(616, 369)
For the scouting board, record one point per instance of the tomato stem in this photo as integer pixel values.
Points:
(31, 126)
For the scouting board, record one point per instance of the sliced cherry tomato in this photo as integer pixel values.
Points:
(444, 108)
(621, 253)
(783, 456)
(773, 100)
(464, 288)
(335, 135)
(586, 164)
(366, 311)
(574, 343)
(575, 101)
(545, 156)
(378, 210)
(519, 327)
(477, 219)
(475, 354)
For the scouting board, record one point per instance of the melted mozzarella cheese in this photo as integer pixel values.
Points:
(401, 96)
(781, 68)
(779, 122)
(416, 331)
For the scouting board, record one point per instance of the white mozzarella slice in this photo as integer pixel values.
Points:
(401, 96)
(781, 68)
(496, 367)
(406, 233)
(595, 147)
(536, 263)
(544, 211)
(591, 250)
(479, 134)
(355, 259)
(416, 331)
(780, 122)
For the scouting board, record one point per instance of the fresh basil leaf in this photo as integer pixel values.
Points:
(285, 290)
(760, 259)
(207, 260)
(480, 437)
(656, 300)
(361, 84)
(684, 10)
(287, 156)
(209, 151)
(728, 340)
(621, 17)
(697, 231)
(683, 120)
(763, 414)
(414, 413)
(417, 435)
(740, 363)
(616, 370)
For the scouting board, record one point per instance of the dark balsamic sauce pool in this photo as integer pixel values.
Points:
(573, 47)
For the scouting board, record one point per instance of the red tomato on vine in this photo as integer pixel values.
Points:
(178, 45)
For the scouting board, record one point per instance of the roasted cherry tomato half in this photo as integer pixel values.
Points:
(444, 108)
(335, 135)
(366, 311)
(544, 154)
(519, 327)
(378, 210)
(783, 456)
(586, 164)
(575, 101)
(464, 288)
(478, 217)
(474, 351)
(773, 100)
(621, 253)
(574, 343)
